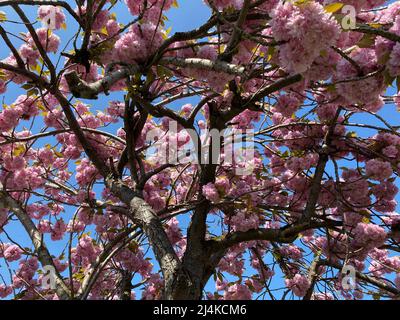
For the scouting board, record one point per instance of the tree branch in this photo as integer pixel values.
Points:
(282, 235)
(81, 89)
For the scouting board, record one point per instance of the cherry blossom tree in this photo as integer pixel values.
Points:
(304, 210)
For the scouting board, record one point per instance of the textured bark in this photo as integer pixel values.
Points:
(144, 216)
(81, 89)
(125, 285)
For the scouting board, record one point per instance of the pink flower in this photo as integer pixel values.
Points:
(29, 54)
(5, 290)
(287, 105)
(58, 230)
(378, 170)
(366, 91)
(306, 29)
(223, 184)
(368, 235)
(139, 43)
(44, 226)
(237, 292)
(322, 296)
(48, 40)
(13, 253)
(46, 155)
(299, 284)
(9, 118)
(26, 107)
(390, 151)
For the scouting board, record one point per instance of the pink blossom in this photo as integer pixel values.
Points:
(48, 40)
(237, 292)
(308, 30)
(5, 291)
(378, 169)
(13, 253)
(211, 192)
(52, 12)
(299, 284)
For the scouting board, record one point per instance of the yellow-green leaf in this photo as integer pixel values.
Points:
(375, 25)
(365, 220)
(18, 150)
(3, 16)
(334, 7)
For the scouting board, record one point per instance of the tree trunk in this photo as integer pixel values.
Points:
(184, 287)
